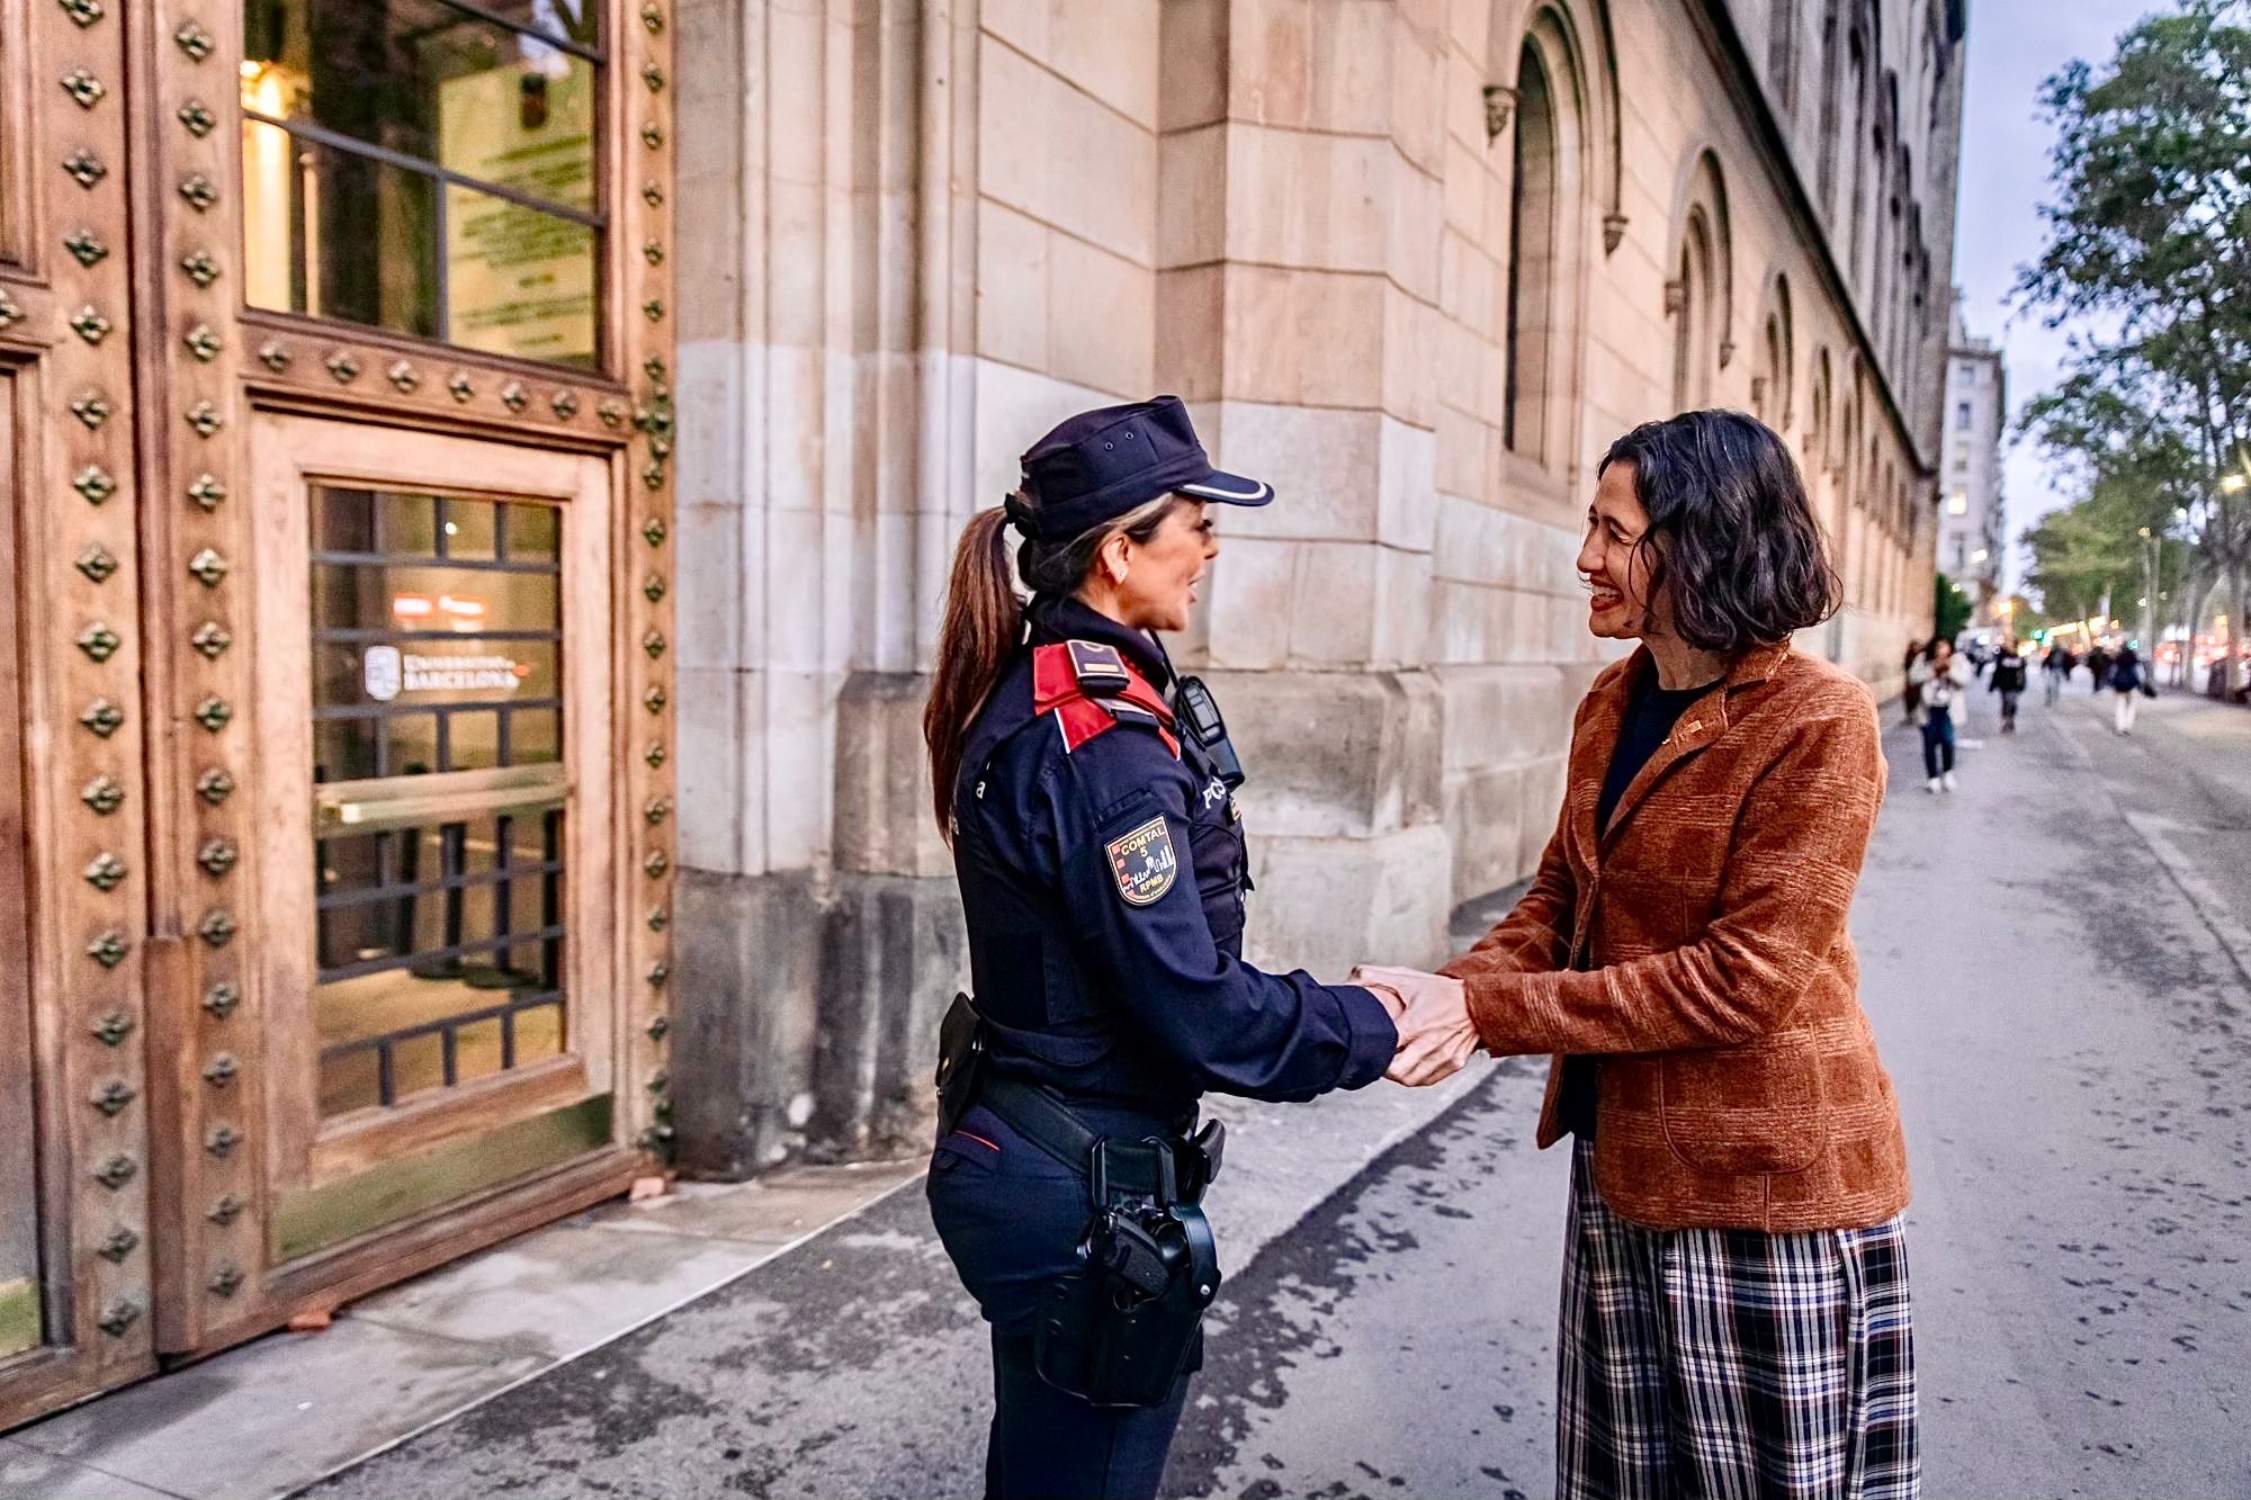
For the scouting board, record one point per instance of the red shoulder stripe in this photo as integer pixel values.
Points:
(1082, 719)
(1053, 681)
(1056, 689)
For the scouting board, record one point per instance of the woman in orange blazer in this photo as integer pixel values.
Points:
(1735, 1312)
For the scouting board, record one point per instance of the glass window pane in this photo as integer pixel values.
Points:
(520, 281)
(422, 79)
(333, 232)
(532, 533)
(535, 736)
(473, 741)
(435, 652)
(576, 21)
(426, 934)
(332, 235)
(470, 528)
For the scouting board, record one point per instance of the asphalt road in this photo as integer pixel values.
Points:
(2057, 959)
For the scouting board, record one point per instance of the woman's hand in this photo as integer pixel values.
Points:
(1436, 1035)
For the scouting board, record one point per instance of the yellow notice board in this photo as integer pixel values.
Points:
(520, 281)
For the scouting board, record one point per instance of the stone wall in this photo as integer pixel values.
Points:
(919, 234)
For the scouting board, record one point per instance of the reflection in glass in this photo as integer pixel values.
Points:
(437, 730)
(417, 166)
(522, 280)
(340, 236)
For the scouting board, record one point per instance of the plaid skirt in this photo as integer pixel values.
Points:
(1729, 1364)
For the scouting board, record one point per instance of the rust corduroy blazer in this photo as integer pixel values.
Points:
(1698, 948)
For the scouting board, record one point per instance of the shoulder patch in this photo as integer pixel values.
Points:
(1143, 863)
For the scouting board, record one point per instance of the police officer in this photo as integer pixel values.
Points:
(1089, 797)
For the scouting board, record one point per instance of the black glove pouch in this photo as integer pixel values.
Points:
(961, 1062)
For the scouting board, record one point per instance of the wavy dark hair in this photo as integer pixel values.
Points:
(1731, 528)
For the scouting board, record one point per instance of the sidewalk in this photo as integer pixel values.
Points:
(277, 1415)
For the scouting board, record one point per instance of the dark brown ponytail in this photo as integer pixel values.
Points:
(982, 625)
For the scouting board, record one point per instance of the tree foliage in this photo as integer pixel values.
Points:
(2149, 247)
(1952, 610)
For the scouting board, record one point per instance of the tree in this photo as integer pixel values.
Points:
(2149, 245)
(2097, 549)
(1951, 610)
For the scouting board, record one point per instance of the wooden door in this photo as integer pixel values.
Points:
(75, 1172)
(436, 712)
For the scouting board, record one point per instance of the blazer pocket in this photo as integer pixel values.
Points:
(1752, 1109)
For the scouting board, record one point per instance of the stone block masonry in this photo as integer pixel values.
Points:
(1415, 263)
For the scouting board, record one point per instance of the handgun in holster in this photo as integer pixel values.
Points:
(1120, 1330)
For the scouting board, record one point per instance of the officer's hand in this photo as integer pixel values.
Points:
(1436, 1035)
(1394, 1004)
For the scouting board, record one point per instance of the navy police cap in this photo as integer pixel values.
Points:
(1106, 463)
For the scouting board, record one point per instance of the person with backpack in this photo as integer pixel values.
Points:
(2098, 668)
(2055, 667)
(2128, 678)
(2008, 681)
(1944, 679)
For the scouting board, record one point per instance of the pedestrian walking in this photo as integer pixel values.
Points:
(1911, 696)
(2008, 681)
(2098, 668)
(2129, 680)
(1088, 795)
(1945, 678)
(2055, 668)
(1735, 1312)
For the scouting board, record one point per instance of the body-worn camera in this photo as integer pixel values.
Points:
(1199, 715)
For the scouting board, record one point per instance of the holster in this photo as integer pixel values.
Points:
(1119, 1331)
(961, 1062)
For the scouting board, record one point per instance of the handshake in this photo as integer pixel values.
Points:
(1436, 1035)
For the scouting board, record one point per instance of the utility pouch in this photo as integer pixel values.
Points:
(961, 1062)
(1119, 1331)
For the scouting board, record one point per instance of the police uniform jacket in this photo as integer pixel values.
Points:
(1102, 870)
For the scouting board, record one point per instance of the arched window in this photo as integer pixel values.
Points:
(1819, 436)
(1771, 382)
(1782, 55)
(1832, 115)
(1856, 94)
(1531, 265)
(1700, 295)
(1692, 320)
(1548, 164)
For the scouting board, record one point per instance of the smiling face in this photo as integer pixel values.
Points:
(1622, 602)
(1153, 583)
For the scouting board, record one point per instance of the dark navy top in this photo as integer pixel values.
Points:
(1102, 882)
(1651, 713)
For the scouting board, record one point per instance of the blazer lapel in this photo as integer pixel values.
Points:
(1700, 724)
(1704, 722)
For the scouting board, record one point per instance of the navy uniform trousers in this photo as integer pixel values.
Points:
(1011, 1217)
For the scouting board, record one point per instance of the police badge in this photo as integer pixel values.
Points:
(1143, 863)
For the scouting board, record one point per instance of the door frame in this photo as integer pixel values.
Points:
(290, 456)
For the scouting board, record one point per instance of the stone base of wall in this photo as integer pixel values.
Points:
(807, 1016)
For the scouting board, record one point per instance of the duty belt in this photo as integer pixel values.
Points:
(1165, 1171)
